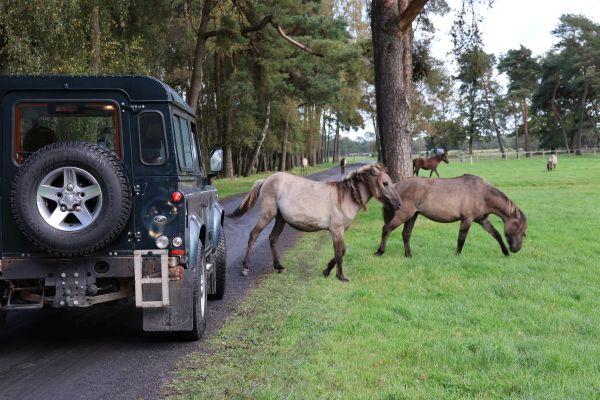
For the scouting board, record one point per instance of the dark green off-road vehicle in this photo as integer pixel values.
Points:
(104, 197)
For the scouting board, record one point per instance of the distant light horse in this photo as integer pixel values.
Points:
(552, 163)
(311, 206)
(304, 166)
(429, 163)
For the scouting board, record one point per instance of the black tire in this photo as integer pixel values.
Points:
(220, 268)
(113, 213)
(2, 321)
(199, 324)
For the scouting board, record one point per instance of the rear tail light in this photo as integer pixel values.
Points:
(176, 197)
(178, 252)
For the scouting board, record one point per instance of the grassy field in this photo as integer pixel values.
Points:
(228, 187)
(435, 326)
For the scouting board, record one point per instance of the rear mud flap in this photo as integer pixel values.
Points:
(168, 304)
(178, 316)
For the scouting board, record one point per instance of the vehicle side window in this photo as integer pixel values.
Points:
(153, 149)
(196, 149)
(183, 143)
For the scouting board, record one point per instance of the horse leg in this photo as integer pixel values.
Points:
(406, 232)
(260, 225)
(392, 221)
(465, 224)
(435, 170)
(431, 172)
(277, 229)
(487, 225)
(339, 249)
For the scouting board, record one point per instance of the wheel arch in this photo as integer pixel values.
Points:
(196, 234)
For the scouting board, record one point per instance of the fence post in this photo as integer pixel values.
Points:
(471, 159)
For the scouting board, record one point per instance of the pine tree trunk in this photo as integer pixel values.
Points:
(199, 53)
(558, 117)
(261, 139)
(377, 139)
(228, 164)
(493, 112)
(96, 41)
(526, 127)
(336, 142)
(581, 117)
(285, 143)
(517, 135)
(393, 79)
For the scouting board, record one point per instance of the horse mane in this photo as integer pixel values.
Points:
(349, 185)
(512, 209)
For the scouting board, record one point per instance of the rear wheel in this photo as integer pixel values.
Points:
(2, 321)
(220, 268)
(200, 289)
(71, 198)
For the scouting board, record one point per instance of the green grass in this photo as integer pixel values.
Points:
(436, 326)
(227, 187)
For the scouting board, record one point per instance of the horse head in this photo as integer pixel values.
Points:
(380, 185)
(515, 228)
(443, 157)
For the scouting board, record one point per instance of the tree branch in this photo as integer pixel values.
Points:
(266, 19)
(410, 13)
(296, 43)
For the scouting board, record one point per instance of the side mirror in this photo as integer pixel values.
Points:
(216, 160)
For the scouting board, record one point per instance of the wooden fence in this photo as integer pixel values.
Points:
(520, 154)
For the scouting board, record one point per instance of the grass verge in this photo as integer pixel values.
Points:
(433, 326)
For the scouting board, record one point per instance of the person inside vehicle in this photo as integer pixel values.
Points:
(38, 137)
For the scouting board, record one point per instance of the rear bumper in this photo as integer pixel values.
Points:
(48, 268)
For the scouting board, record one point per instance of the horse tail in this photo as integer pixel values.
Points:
(249, 201)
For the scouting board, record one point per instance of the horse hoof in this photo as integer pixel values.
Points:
(343, 279)
(244, 271)
(326, 273)
(279, 268)
(378, 253)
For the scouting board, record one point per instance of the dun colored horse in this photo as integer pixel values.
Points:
(304, 166)
(311, 206)
(343, 165)
(429, 164)
(466, 199)
(552, 163)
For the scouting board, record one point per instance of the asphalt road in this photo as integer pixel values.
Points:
(101, 352)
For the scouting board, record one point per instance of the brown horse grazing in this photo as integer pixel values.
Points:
(311, 206)
(429, 163)
(343, 165)
(467, 199)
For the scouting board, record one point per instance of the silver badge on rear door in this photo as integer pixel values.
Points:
(160, 219)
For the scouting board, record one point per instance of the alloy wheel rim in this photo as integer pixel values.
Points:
(69, 199)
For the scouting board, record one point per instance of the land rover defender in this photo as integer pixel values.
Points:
(104, 198)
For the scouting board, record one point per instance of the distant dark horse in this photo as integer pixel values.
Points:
(467, 199)
(343, 165)
(429, 163)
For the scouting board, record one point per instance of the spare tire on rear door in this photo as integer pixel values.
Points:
(71, 198)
